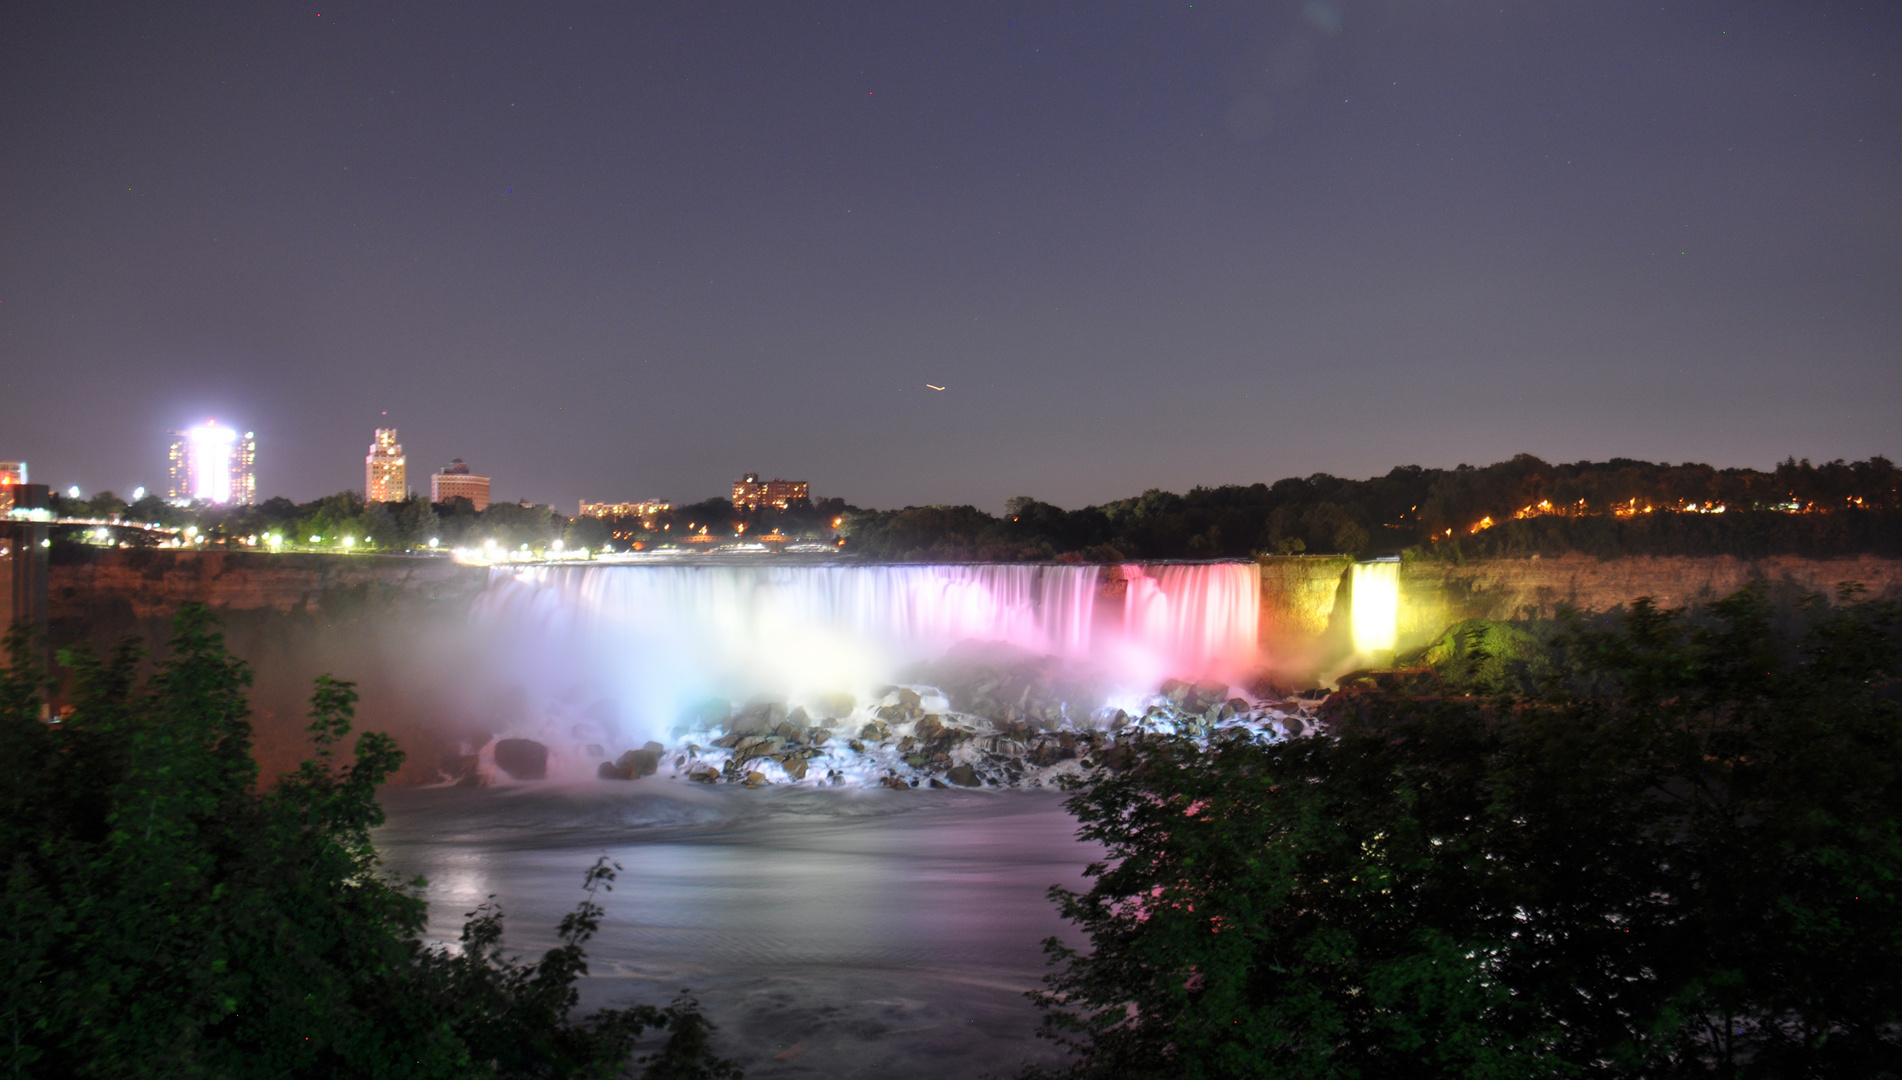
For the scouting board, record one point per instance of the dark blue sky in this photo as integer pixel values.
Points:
(624, 251)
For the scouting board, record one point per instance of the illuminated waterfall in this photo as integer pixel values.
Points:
(656, 638)
(1376, 598)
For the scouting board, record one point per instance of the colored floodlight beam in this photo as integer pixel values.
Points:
(211, 448)
(1376, 610)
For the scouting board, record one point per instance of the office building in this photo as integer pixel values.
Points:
(385, 476)
(456, 481)
(750, 493)
(212, 463)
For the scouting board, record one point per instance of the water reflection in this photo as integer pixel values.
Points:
(829, 933)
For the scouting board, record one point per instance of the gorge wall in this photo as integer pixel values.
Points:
(1305, 599)
(390, 624)
(116, 585)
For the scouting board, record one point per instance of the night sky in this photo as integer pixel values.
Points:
(622, 251)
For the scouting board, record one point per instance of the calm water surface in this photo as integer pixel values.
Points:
(827, 933)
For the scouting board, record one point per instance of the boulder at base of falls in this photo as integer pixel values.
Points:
(523, 759)
(963, 776)
(638, 763)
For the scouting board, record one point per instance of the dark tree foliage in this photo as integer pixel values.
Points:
(1679, 858)
(1845, 508)
(166, 918)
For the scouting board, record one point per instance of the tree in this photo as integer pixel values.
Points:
(513, 525)
(1680, 857)
(585, 532)
(167, 918)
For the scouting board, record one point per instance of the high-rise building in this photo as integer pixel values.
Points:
(750, 493)
(455, 480)
(12, 475)
(244, 474)
(385, 476)
(212, 463)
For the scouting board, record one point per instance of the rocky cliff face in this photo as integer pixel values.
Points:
(1305, 599)
(147, 583)
(1433, 596)
(392, 625)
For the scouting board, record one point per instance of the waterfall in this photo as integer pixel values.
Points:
(1376, 599)
(656, 638)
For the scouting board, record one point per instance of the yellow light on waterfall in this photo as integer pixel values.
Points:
(1376, 606)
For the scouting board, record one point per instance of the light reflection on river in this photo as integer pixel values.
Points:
(828, 933)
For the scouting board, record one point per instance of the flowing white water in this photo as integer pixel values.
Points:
(1376, 606)
(656, 639)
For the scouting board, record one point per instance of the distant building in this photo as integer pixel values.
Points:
(456, 481)
(244, 473)
(385, 476)
(646, 511)
(212, 463)
(12, 475)
(750, 493)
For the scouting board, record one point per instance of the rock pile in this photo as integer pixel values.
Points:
(983, 720)
(912, 737)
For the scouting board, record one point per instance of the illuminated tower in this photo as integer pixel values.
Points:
(214, 464)
(178, 468)
(244, 476)
(385, 478)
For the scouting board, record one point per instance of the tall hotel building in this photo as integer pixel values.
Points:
(385, 476)
(455, 480)
(214, 464)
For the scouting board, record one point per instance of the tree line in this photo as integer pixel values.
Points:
(325, 523)
(1522, 506)
(411, 525)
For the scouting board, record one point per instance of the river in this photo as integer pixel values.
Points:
(826, 932)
